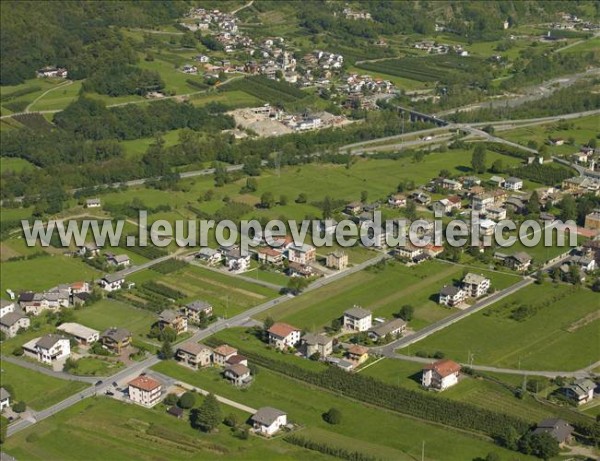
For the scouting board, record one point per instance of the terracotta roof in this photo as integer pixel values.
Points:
(144, 383)
(238, 369)
(269, 251)
(454, 199)
(225, 350)
(358, 350)
(193, 348)
(444, 367)
(282, 330)
(235, 359)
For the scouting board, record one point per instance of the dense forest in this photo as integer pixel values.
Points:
(75, 34)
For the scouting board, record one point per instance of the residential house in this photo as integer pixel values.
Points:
(519, 261)
(299, 270)
(497, 181)
(556, 141)
(267, 255)
(283, 336)
(487, 226)
(4, 399)
(11, 323)
(6, 307)
(353, 207)
(421, 198)
(238, 374)
(236, 359)
(337, 260)
(312, 343)
(52, 72)
(302, 254)
(447, 205)
(176, 411)
(173, 319)
(513, 183)
(431, 250)
(111, 282)
(81, 333)
(210, 255)
(268, 421)
(451, 296)
(470, 181)
(495, 213)
(397, 200)
(408, 252)
(195, 310)
(440, 375)
(93, 203)
(222, 353)
(115, 339)
(36, 303)
(559, 429)
(118, 260)
(80, 287)
(189, 69)
(357, 354)
(581, 185)
(481, 202)
(48, 349)
(592, 220)
(475, 285)
(581, 391)
(89, 250)
(145, 391)
(517, 204)
(391, 328)
(357, 319)
(194, 354)
(451, 184)
(235, 260)
(584, 262)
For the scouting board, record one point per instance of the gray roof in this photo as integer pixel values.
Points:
(11, 318)
(193, 348)
(582, 386)
(198, 305)
(521, 256)
(48, 341)
(110, 278)
(267, 415)
(358, 312)
(512, 179)
(4, 394)
(238, 369)
(314, 339)
(449, 290)
(557, 428)
(168, 315)
(386, 328)
(116, 334)
(474, 279)
(4, 303)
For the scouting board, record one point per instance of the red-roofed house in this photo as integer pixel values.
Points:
(282, 335)
(145, 391)
(270, 255)
(222, 353)
(440, 375)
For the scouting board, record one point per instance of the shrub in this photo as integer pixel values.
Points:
(333, 416)
(19, 407)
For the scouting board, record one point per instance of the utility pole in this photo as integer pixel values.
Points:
(423, 451)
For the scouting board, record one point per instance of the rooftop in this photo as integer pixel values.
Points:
(267, 415)
(358, 312)
(75, 329)
(225, 350)
(145, 383)
(282, 330)
(444, 367)
(193, 348)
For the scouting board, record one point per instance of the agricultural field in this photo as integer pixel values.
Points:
(384, 292)
(385, 434)
(58, 97)
(478, 391)
(549, 339)
(426, 68)
(37, 390)
(131, 432)
(44, 272)
(268, 90)
(228, 295)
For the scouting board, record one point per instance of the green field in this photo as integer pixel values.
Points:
(37, 390)
(228, 295)
(109, 313)
(128, 432)
(481, 392)
(59, 98)
(387, 435)
(548, 340)
(382, 292)
(14, 164)
(43, 273)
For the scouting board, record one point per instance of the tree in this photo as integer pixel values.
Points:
(336, 325)
(542, 445)
(267, 200)
(333, 416)
(297, 284)
(497, 166)
(411, 210)
(268, 323)
(533, 205)
(19, 407)
(301, 198)
(540, 277)
(596, 285)
(283, 200)
(208, 416)
(406, 312)
(491, 456)
(171, 399)
(166, 351)
(327, 207)
(509, 438)
(568, 208)
(3, 428)
(315, 357)
(187, 400)
(478, 159)
(574, 274)
(364, 196)
(231, 420)
(444, 173)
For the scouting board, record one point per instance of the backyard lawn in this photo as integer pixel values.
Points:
(562, 335)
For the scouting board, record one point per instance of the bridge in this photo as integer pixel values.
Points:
(416, 116)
